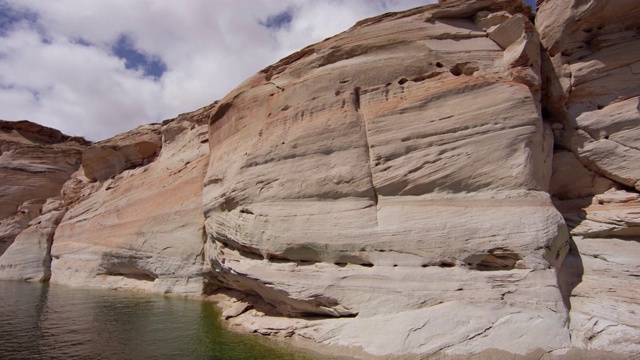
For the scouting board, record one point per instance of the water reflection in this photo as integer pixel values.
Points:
(51, 322)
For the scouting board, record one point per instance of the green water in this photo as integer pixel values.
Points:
(40, 321)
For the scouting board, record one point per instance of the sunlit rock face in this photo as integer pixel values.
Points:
(448, 180)
(396, 174)
(140, 228)
(34, 163)
(130, 217)
(593, 100)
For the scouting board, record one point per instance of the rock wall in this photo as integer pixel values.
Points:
(448, 180)
(140, 228)
(130, 217)
(393, 174)
(593, 102)
(35, 161)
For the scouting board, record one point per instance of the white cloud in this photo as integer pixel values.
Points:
(80, 87)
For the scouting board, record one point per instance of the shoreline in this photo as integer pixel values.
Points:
(237, 323)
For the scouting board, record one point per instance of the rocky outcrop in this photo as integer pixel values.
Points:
(594, 82)
(449, 180)
(131, 217)
(142, 227)
(349, 179)
(29, 257)
(34, 163)
(125, 151)
(593, 100)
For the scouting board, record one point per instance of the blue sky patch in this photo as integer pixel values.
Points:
(279, 20)
(10, 16)
(532, 3)
(135, 60)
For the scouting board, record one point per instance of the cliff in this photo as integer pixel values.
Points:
(453, 179)
(35, 162)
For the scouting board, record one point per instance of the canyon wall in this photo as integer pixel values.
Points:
(390, 175)
(593, 102)
(449, 180)
(35, 162)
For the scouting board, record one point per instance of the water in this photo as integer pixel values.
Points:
(41, 321)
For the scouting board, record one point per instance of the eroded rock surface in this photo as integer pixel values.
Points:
(34, 163)
(141, 228)
(349, 179)
(402, 189)
(593, 99)
(29, 257)
(110, 157)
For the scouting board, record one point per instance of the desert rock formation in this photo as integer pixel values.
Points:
(450, 180)
(593, 102)
(351, 177)
(35, 161)
(141, 228)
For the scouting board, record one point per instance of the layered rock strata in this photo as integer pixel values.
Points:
(130, 217)
(140, 228)
(593, 101)
(35, 161)
(402, 189)
(353, 176)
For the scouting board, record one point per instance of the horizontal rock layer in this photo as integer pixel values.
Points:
(35, 161)
(141, 228)
(351, 177)
(592, 99)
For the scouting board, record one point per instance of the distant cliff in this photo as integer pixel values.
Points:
(450, 180)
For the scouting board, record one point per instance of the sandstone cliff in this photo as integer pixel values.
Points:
(352, 177)
(446, 180)
(35, 161)
(593, 103)
(138, 223)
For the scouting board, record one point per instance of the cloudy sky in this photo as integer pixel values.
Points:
(95, 68)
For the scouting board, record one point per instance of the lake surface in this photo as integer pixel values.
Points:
(41, 321)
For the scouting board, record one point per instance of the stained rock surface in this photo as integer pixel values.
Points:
(125, 151)
(593, 102)
(142, 228)
(451, 180)
(35, 161)
(351, 178)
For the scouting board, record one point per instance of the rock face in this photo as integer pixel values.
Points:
(125, 151)
(350, 178)
(139, 229)
(130, 217)
(34, 163)
(593, 101)
(447, 180)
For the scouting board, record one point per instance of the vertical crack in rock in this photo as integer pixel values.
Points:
(46, 261)
(356, 98)
(591, 99)
(356, 106)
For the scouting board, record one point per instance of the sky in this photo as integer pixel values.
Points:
(97, 68)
